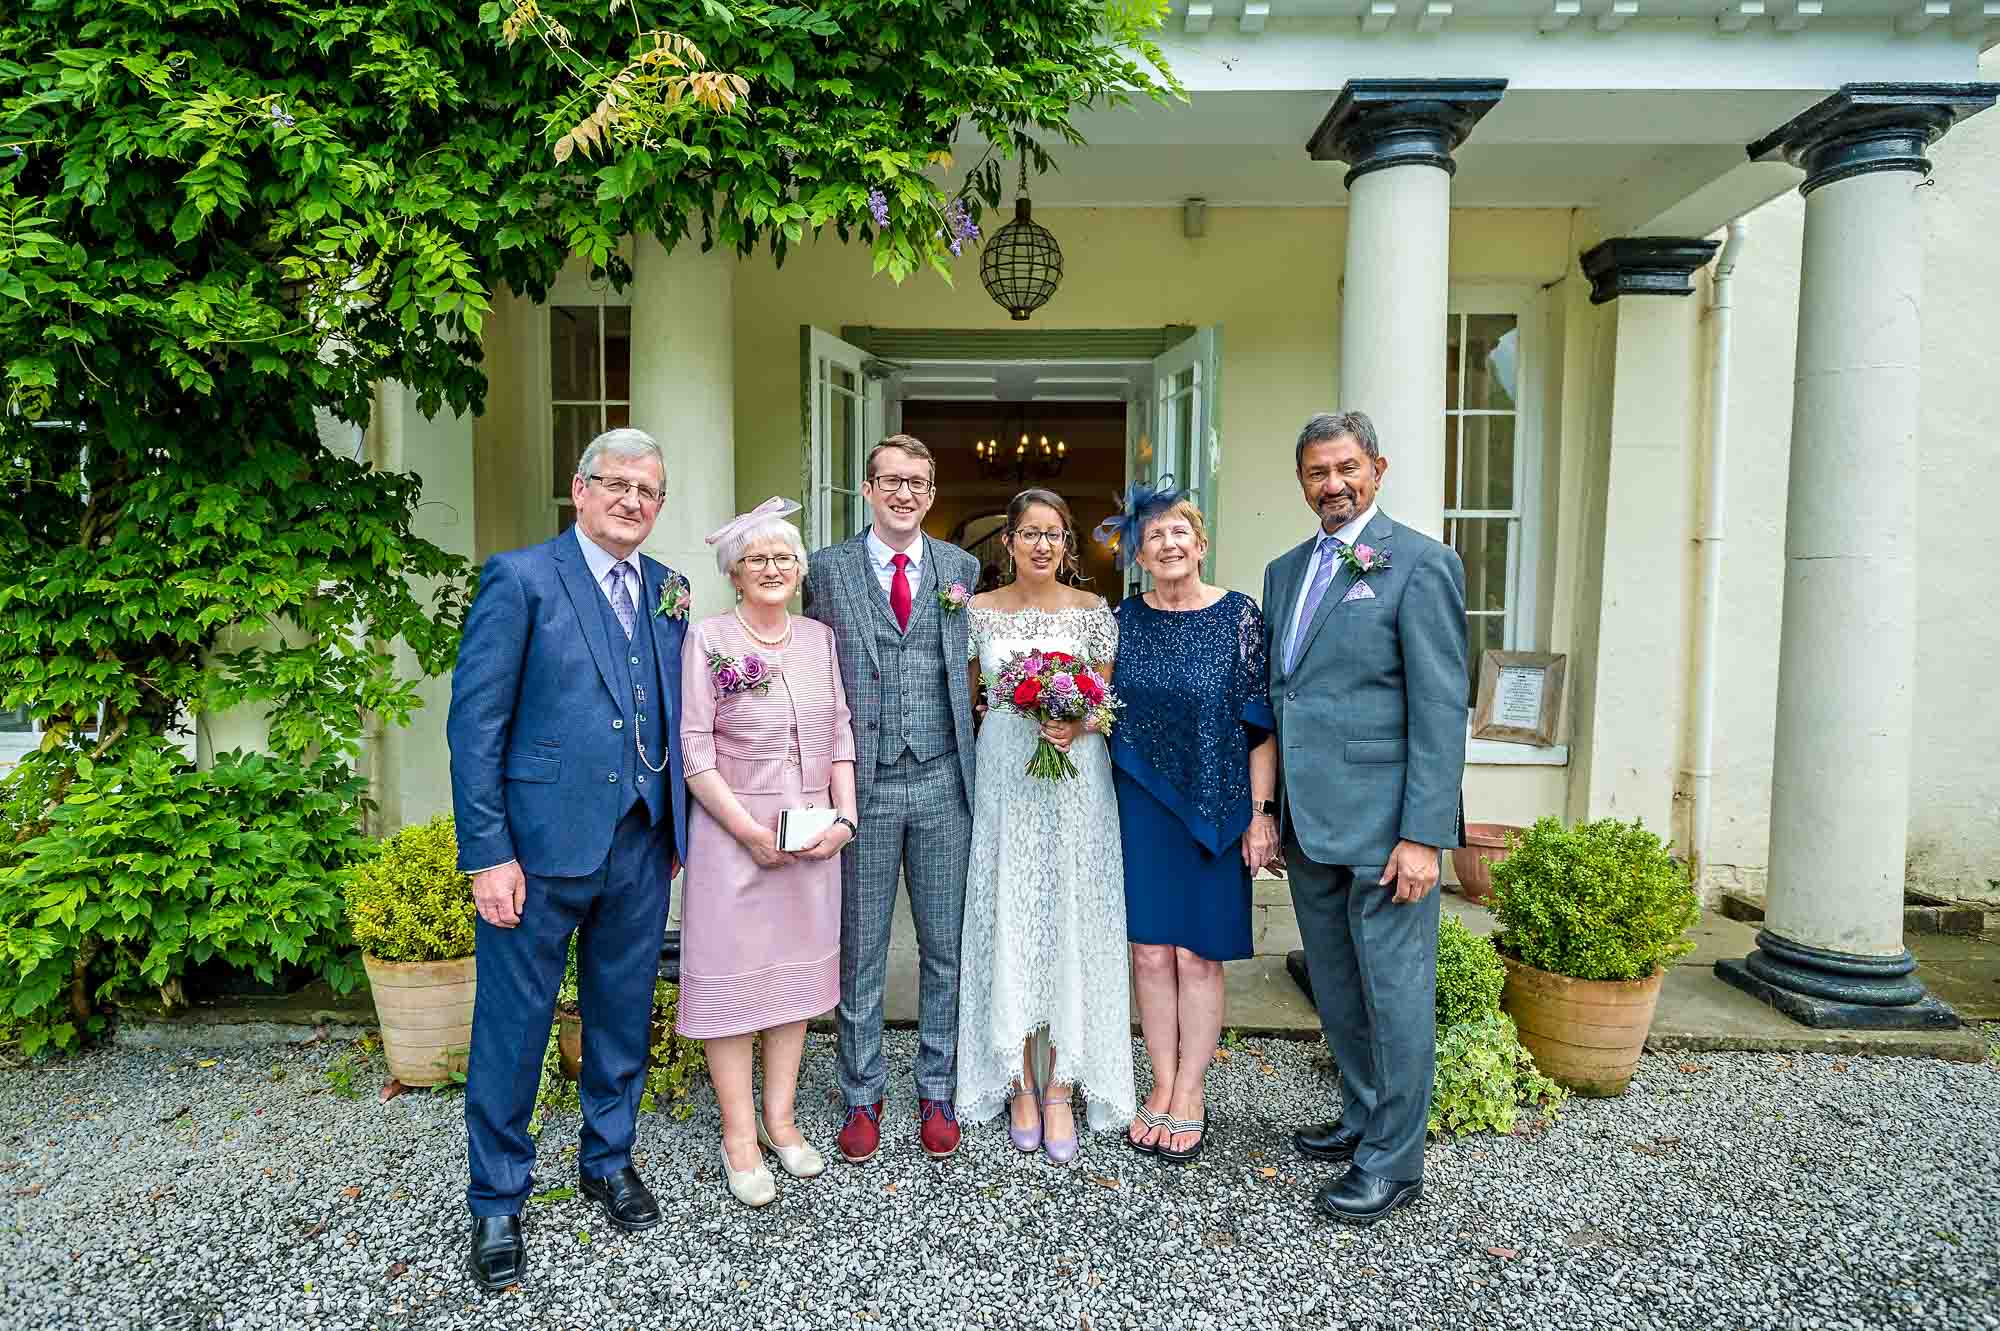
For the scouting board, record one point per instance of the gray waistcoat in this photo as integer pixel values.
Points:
(916, 692)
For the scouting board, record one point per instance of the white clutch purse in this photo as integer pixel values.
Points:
(799, 828)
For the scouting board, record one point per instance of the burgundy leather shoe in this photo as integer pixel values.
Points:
(861, 1136)
(938, 1128)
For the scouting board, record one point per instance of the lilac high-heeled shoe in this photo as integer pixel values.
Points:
(1060, 1150)
(1025, 1139)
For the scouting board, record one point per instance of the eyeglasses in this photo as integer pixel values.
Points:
(619, 488)
(916, 485)
(758, 563)
(1050, 538)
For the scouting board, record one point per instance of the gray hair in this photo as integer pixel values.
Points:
(1327, 426)
(624, 443)
(731, 547)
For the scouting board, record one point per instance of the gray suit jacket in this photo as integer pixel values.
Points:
(1371, 721)
(841, 592)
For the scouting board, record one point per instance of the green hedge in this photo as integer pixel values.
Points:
(1599, 901)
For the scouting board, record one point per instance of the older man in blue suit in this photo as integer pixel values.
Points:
(566, 781)
(1367, 622)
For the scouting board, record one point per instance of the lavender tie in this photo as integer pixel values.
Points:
(1322, 575)
(621, 600)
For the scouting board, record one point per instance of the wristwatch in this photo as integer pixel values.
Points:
(848, 823)
(1269, 808)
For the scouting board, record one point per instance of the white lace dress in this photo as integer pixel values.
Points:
(1044, 943)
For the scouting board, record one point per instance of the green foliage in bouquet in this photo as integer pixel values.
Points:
(409, 902)
(1470, 975)
(1485, 1077)
(1598, 901)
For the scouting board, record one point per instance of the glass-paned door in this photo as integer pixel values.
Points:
(1184, 421)
(1483, 484)
(590, 388)
(842, 419)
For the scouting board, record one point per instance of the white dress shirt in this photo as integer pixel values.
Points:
(1347, 535)
(883, 560)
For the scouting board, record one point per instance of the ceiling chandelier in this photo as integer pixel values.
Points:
(1032, 456)
(1021, 265)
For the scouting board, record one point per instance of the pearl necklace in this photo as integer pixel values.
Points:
(755, 636)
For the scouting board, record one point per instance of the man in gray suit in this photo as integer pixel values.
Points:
(903, 660)
(1368, 680)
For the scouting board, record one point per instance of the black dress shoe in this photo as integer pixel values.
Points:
(624, 1199)
(1361, 1198)
(498, 1257)
(1330, 1142)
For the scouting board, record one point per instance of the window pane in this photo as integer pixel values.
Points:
(843, 423)
(1454, 336)
(15, 722)
(1489, 463)
(1483, 633)
(1482, 544)
(1452, 498)
(575, 427)
(573, 367)
(841, 513)
(1492, 356)
(618, 352)
(617, 415)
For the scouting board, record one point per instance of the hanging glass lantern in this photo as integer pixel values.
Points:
(1021, 264)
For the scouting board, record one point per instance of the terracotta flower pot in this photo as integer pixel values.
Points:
(1485, 846)
(569, 1041)
(1586, 1034)
(425, 1008)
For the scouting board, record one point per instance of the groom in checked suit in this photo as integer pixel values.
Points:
(903, 663)
(566, 782)
(1368, 679)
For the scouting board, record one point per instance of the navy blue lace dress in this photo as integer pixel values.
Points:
(1197, 700)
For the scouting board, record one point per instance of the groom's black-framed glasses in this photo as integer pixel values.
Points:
(916, 485)
(619, 488)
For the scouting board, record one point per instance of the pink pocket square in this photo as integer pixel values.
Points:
(1360, 591)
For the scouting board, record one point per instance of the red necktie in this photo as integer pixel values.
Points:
(899, 592)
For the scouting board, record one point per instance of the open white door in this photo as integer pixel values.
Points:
(1186, 443)
(842, 417)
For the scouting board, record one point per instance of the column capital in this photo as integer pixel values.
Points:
(1645, 266)
(1869, 127)
(1377, 123)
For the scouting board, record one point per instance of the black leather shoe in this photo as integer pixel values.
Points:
(624, 1199)
(1361, 1198)
(1330, 1142)
(498, 1257)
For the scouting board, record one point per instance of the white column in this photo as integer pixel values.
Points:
(1397, 137)
(683, 394)
(1394, 306)
(410, 767)
(1831, 953)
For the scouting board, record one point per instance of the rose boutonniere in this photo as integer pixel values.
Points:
(676, 598)
(954, 598)
(1364, 559)
(752, 674)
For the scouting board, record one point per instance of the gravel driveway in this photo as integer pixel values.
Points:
(151, 1189)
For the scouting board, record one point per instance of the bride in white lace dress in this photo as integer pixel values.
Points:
(1044, 1003)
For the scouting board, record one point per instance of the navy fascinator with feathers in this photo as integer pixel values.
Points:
(1141, 504)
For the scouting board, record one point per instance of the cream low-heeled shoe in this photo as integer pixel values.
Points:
(752, 1187)
(800, 1161)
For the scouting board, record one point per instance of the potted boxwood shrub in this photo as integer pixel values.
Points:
(1590, 918)
(412, 913)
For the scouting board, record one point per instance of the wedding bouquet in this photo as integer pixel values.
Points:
(1052, 686)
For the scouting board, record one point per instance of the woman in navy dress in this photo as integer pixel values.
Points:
(1195, 766)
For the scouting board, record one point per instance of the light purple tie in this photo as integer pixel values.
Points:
(1322, 575)
(621, 600)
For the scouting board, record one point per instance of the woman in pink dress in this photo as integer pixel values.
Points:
(764, 728)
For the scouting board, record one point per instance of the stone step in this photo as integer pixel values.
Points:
(1922, 913)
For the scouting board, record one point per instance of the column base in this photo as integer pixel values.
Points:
(1824, 989)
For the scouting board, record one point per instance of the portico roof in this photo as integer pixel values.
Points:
(1643, 115)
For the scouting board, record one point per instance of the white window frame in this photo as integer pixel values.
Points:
(823, 353)
(1519, 616)
(573, 288)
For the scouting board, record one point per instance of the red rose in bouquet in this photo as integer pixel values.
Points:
(1027, 693)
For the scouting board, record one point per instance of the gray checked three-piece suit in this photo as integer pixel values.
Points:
(1371, 745)
(913, 774)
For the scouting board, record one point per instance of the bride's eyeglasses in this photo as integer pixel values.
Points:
(1048, 538)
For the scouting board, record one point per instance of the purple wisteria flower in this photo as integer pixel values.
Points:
(878, 207)
(958, 226)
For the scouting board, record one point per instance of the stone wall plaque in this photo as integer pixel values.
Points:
(1520, 697)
